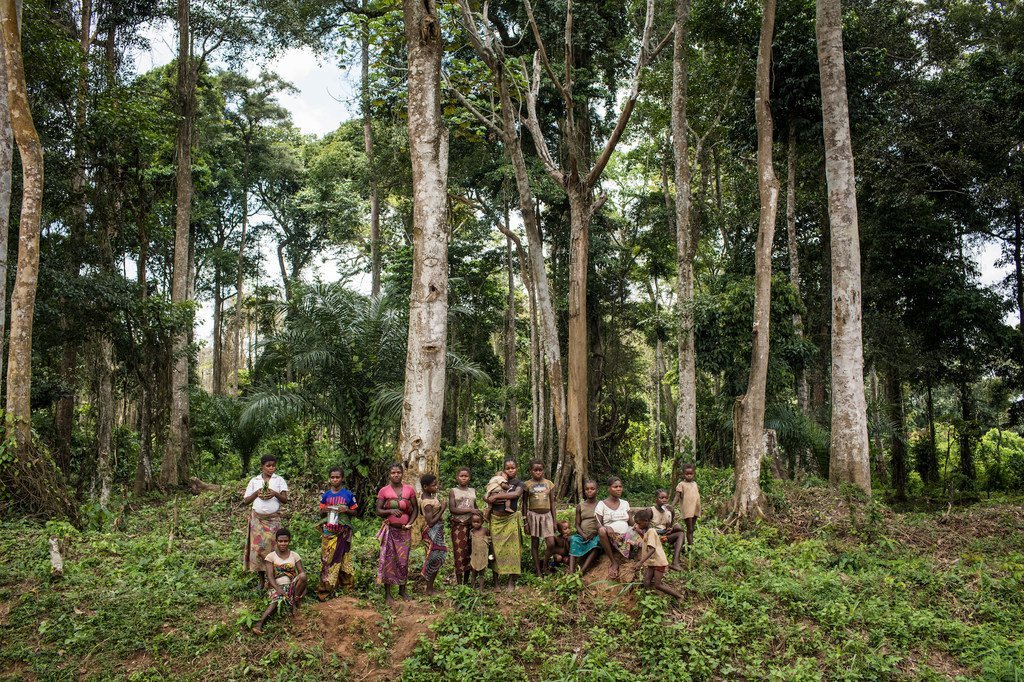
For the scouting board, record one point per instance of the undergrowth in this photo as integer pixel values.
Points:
(832, 588)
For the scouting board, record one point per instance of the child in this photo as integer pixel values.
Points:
(584, 542)
(396, 504)
(286, 577)
(540, 513)
(337, 506)
(266, 493)
(432, 510)
(617, 536)
(559, 554)
(664, 522)
(480, 544)
(652, 557)
(687, 500)
(461, 503)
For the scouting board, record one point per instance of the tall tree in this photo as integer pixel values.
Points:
(748, 412)
(579, 178)
(420, 432)
(686, 242)
(850, 457)
(6, 173)
(174, 468)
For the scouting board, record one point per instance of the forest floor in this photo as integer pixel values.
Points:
(828, 588)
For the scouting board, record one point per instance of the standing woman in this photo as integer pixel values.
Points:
(615, 530)
(503, 493)
(396, 504)
(266, 493)
(462, 503)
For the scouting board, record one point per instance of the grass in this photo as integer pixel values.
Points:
(831, 588)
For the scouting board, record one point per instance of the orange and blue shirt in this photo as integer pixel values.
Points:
(331, 498)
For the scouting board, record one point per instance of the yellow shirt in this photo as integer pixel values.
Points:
(652, 539)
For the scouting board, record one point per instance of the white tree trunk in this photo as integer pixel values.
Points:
(686, 408)
(748, 412)
(420, 435)
(794, 259)
(850, 457)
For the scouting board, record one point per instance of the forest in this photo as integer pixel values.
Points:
(779, 243)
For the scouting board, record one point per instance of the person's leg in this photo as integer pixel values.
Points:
(262, 622)
(606, 538)
(535, 554)
(648, 576)
(662, 587)
(550, 542)
(300, 587)
(589, 560)
(402, 593)
(388, 599)
(678, 537)
(572, 564)
(691, 526)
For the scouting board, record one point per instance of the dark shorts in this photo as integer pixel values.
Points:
(660, 569)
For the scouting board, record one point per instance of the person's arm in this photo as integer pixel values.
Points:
(281, 495)
(382, 511)
(646, 553)
(554, 506)
(412, 515)
(677, 499)
(300, 572)
(430, 514)
(579, 520)
(248, 498)
(451, 501)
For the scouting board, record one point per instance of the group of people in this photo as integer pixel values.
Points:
(487, 535)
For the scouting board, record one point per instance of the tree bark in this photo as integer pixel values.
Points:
(174, 469)
(512, 409)
(850, 457)
(577, 440)
(748, 412)
(420, 431)
(235, 326)
(1018, 272)
(6, 174)
(802, 400)
(105, 417)
(686, 247)
(364, 44)
(19, 364)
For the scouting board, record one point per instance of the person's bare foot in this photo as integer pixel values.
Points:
(257, 630)
(406, 597)
(677, 567)
(613, 571)
(389, 600)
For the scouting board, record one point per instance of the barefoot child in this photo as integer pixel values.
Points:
(559, 554)
(286, 577)
(432, 510)
(480, 548)
(266, 493)
(461, 503)
(396, 504)
(687, 501)
(584, 544)
(540, 514)
(652, 557)
(337, 506)
(618, 539)
(664, 522)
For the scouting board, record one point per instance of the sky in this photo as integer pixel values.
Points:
(325, 98)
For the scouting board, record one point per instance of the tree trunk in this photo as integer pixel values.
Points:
(235, 329)
(105, 417)
(577, 400)
(802, 400)
(364, 44)
(1018, 272)
(898, 444)
(512, 409)
(420, 431)
(748, 412)
(19, 364)
(686, 247)
(174, 469)
(217, 371)
(928, 459)
(659, 376)
(6, 173)
(850, 458)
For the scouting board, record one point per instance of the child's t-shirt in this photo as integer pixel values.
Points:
(285, 568)
(331, 498)
(651, 539)
(690, 506)
(539, 495)
(661, 520)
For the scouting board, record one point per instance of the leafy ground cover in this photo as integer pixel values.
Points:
(831, 588)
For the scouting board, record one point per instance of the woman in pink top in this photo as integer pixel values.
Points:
(396, 505)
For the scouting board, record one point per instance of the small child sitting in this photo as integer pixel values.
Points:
(652, 556)
(559, 552)
(286, 577)
(664, 522)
